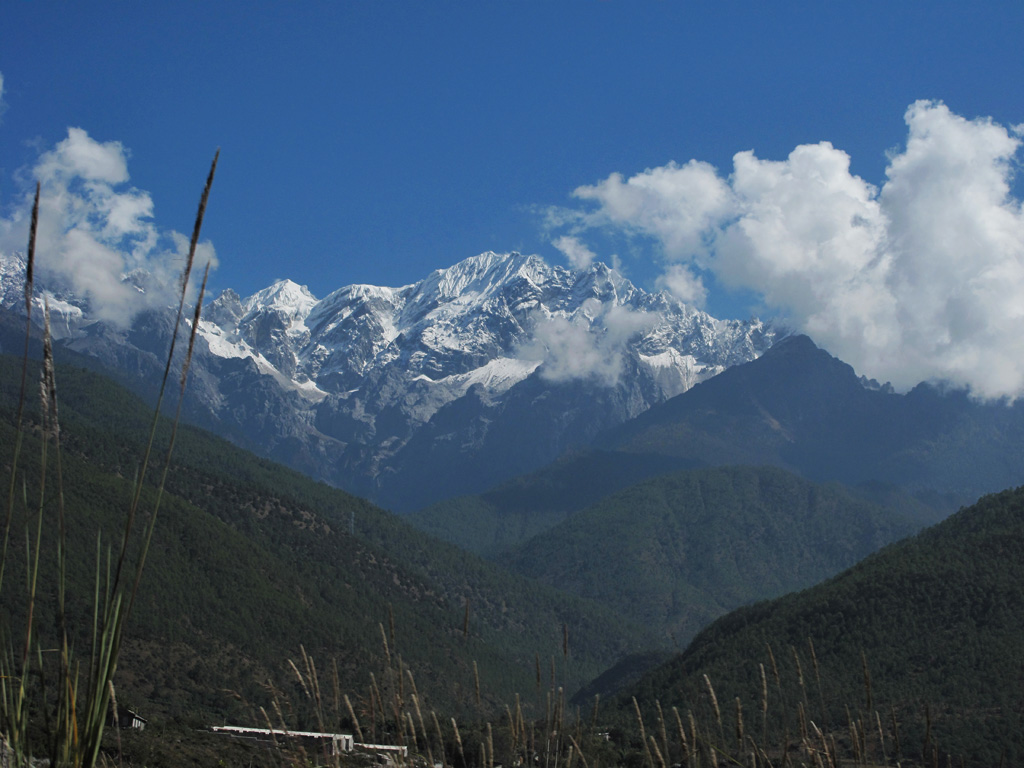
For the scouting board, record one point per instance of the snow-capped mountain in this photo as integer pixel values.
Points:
(480, 371)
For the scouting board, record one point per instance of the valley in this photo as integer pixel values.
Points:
(666, 547)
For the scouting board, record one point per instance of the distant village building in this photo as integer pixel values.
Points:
(126, 718)
(339, 742)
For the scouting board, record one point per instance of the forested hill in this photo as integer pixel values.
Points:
(251, 561)
(676, 551)
(937, 621)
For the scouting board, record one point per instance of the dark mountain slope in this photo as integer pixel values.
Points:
(674, 552)
(939, 619)
(800, 408)
(250, 560)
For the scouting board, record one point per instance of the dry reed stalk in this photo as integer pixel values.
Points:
(355, 720)
(657, 752)
(412, 682)
(513, 735)
(414, 741)
(419, 716)
(662, 731)
(374, 698)
(336, 687)
(823, 740)
(476, 684)
(280, 715)
(384, 642)
(693, 733)
(423, 729)
(186, 274)
(714, 704)
(643, 733)
(458, 740)
(775, 667)
(398, 672)
(800, 676)
(298, 676)
(490, 747)
(851, 728)
(579, 752)
(764, 704)
(739, 723)
(867, 682)
(817, 678)
(270, 726)
(117, 723)
(895, 733)
(440, 739)
(684, 747)
(881, 737)
(560, 709)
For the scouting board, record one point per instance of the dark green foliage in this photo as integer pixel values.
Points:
(515, 511)
(939, 619)
(250, 560)
(677, 551)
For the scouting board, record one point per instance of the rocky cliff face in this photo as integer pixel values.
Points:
(480, 371)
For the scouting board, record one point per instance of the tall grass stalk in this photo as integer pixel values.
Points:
(71, 711)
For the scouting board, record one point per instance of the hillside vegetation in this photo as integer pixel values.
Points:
(251, 561)
(924, 640)
(519, 509)
(674, 552)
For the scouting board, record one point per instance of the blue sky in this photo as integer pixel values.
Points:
(376, 141)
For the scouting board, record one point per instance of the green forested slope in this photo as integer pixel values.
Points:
(250, 560)
(677, 551)
(517, 510)
(939, 619)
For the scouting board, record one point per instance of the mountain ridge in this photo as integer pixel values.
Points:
(363, 387)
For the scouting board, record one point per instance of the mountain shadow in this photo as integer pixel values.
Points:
(800, 408)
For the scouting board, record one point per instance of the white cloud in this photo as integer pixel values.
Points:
(920, 279)
(579, 256)
(676, 204)
(590, 344)
(3, 104)
(681, 282)
(93, 231)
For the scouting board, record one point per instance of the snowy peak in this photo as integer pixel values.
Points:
(285, 297)
(379, 388)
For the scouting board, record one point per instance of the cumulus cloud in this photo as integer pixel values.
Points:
(921, 278)
(590, 344)
(579, 256)
(97, 236)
